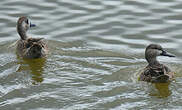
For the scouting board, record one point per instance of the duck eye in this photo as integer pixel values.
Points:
(27, 21)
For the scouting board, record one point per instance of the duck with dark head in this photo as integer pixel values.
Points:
(156, 72)
(28, 47)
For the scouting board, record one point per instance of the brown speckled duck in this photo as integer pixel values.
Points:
(156, 72)
(29, 47)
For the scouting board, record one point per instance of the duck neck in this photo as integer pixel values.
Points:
(22, 32)
(153, 61)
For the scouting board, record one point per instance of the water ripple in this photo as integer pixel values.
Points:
(96, 51)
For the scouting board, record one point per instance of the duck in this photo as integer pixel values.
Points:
(155, 72)
(28, 47)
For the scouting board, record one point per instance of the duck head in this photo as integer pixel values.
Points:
(23, 25)
(154, 50)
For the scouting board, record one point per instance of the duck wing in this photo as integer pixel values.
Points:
(154, 74)
(160, 79)
(157, 74)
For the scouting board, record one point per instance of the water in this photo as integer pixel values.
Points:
(96, 52)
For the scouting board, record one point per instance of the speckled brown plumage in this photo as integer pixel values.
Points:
(157, 74)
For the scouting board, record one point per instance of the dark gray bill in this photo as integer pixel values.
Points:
(164, 53)
(32, 25)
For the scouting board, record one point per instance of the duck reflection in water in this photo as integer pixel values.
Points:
(162, 90)
(35, 66)
(158, 74)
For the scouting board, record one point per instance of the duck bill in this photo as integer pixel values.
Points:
(32, 25)
(164, 53)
